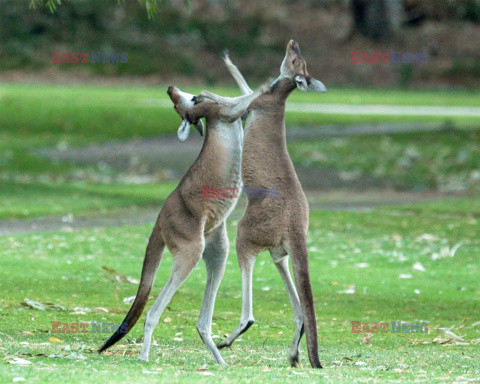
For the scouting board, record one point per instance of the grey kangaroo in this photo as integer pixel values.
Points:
(193, 227)
(280, 224)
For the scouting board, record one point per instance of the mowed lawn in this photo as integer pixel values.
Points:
(413, 264)
(418, 265)
(33, 117)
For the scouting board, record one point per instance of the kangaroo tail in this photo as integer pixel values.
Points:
(151, 263)
(299, 256)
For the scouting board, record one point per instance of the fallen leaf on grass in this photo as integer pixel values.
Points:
(19, 361)
(34, 304)
(55, 340)
(405, 276)
(42, 306)
(76, 356)
(360, 363)
(10, 337)
(419, 267)
(167, 320)
(81, 310)
(57, 307)
(73, 355)
(129, 300)
(448, 337)
(298, 373)
(116, 276)
(350, 290)
(414, 341)
(361, 265)
(427, 237)
(446, 252)
(367, 339)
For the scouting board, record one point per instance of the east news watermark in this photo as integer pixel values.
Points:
(88, 327)
(92, 57)
(396, 327)
(394, 57)
(357, 327)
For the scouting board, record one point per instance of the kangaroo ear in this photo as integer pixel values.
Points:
(183, 130)
(301, 83)
(200, 127)
(316, 85)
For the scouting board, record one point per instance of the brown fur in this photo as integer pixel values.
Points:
(277, 224)
(186, 218)
(281, 222)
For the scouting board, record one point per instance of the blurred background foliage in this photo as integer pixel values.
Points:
(185, 40)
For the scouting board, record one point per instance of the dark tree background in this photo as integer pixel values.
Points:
(185, 41)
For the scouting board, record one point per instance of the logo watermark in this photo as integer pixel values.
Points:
(94, 57)
(233, 193)
(92, 327)
(397, 327)
(394, 57)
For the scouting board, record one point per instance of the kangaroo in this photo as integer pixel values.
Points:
(191, 226)
(279, 224)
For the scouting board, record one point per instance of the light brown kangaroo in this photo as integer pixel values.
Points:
(279, 224)
(190, 225)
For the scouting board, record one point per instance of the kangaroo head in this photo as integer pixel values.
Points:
(182, 103)
(294, 67)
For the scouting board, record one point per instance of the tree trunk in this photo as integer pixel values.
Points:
(377, 19)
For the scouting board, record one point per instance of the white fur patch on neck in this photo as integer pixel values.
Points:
(284, 71)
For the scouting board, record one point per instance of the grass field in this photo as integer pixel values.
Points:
(39, 116)
(416, 263)
(447, 160)
(107, 112)
(368, 250)
(26, 200)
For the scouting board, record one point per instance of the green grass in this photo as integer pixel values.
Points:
(465, 206)
(41, 116)
(26, 200)
(65, 269)
(94, 113)
(447, 160)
